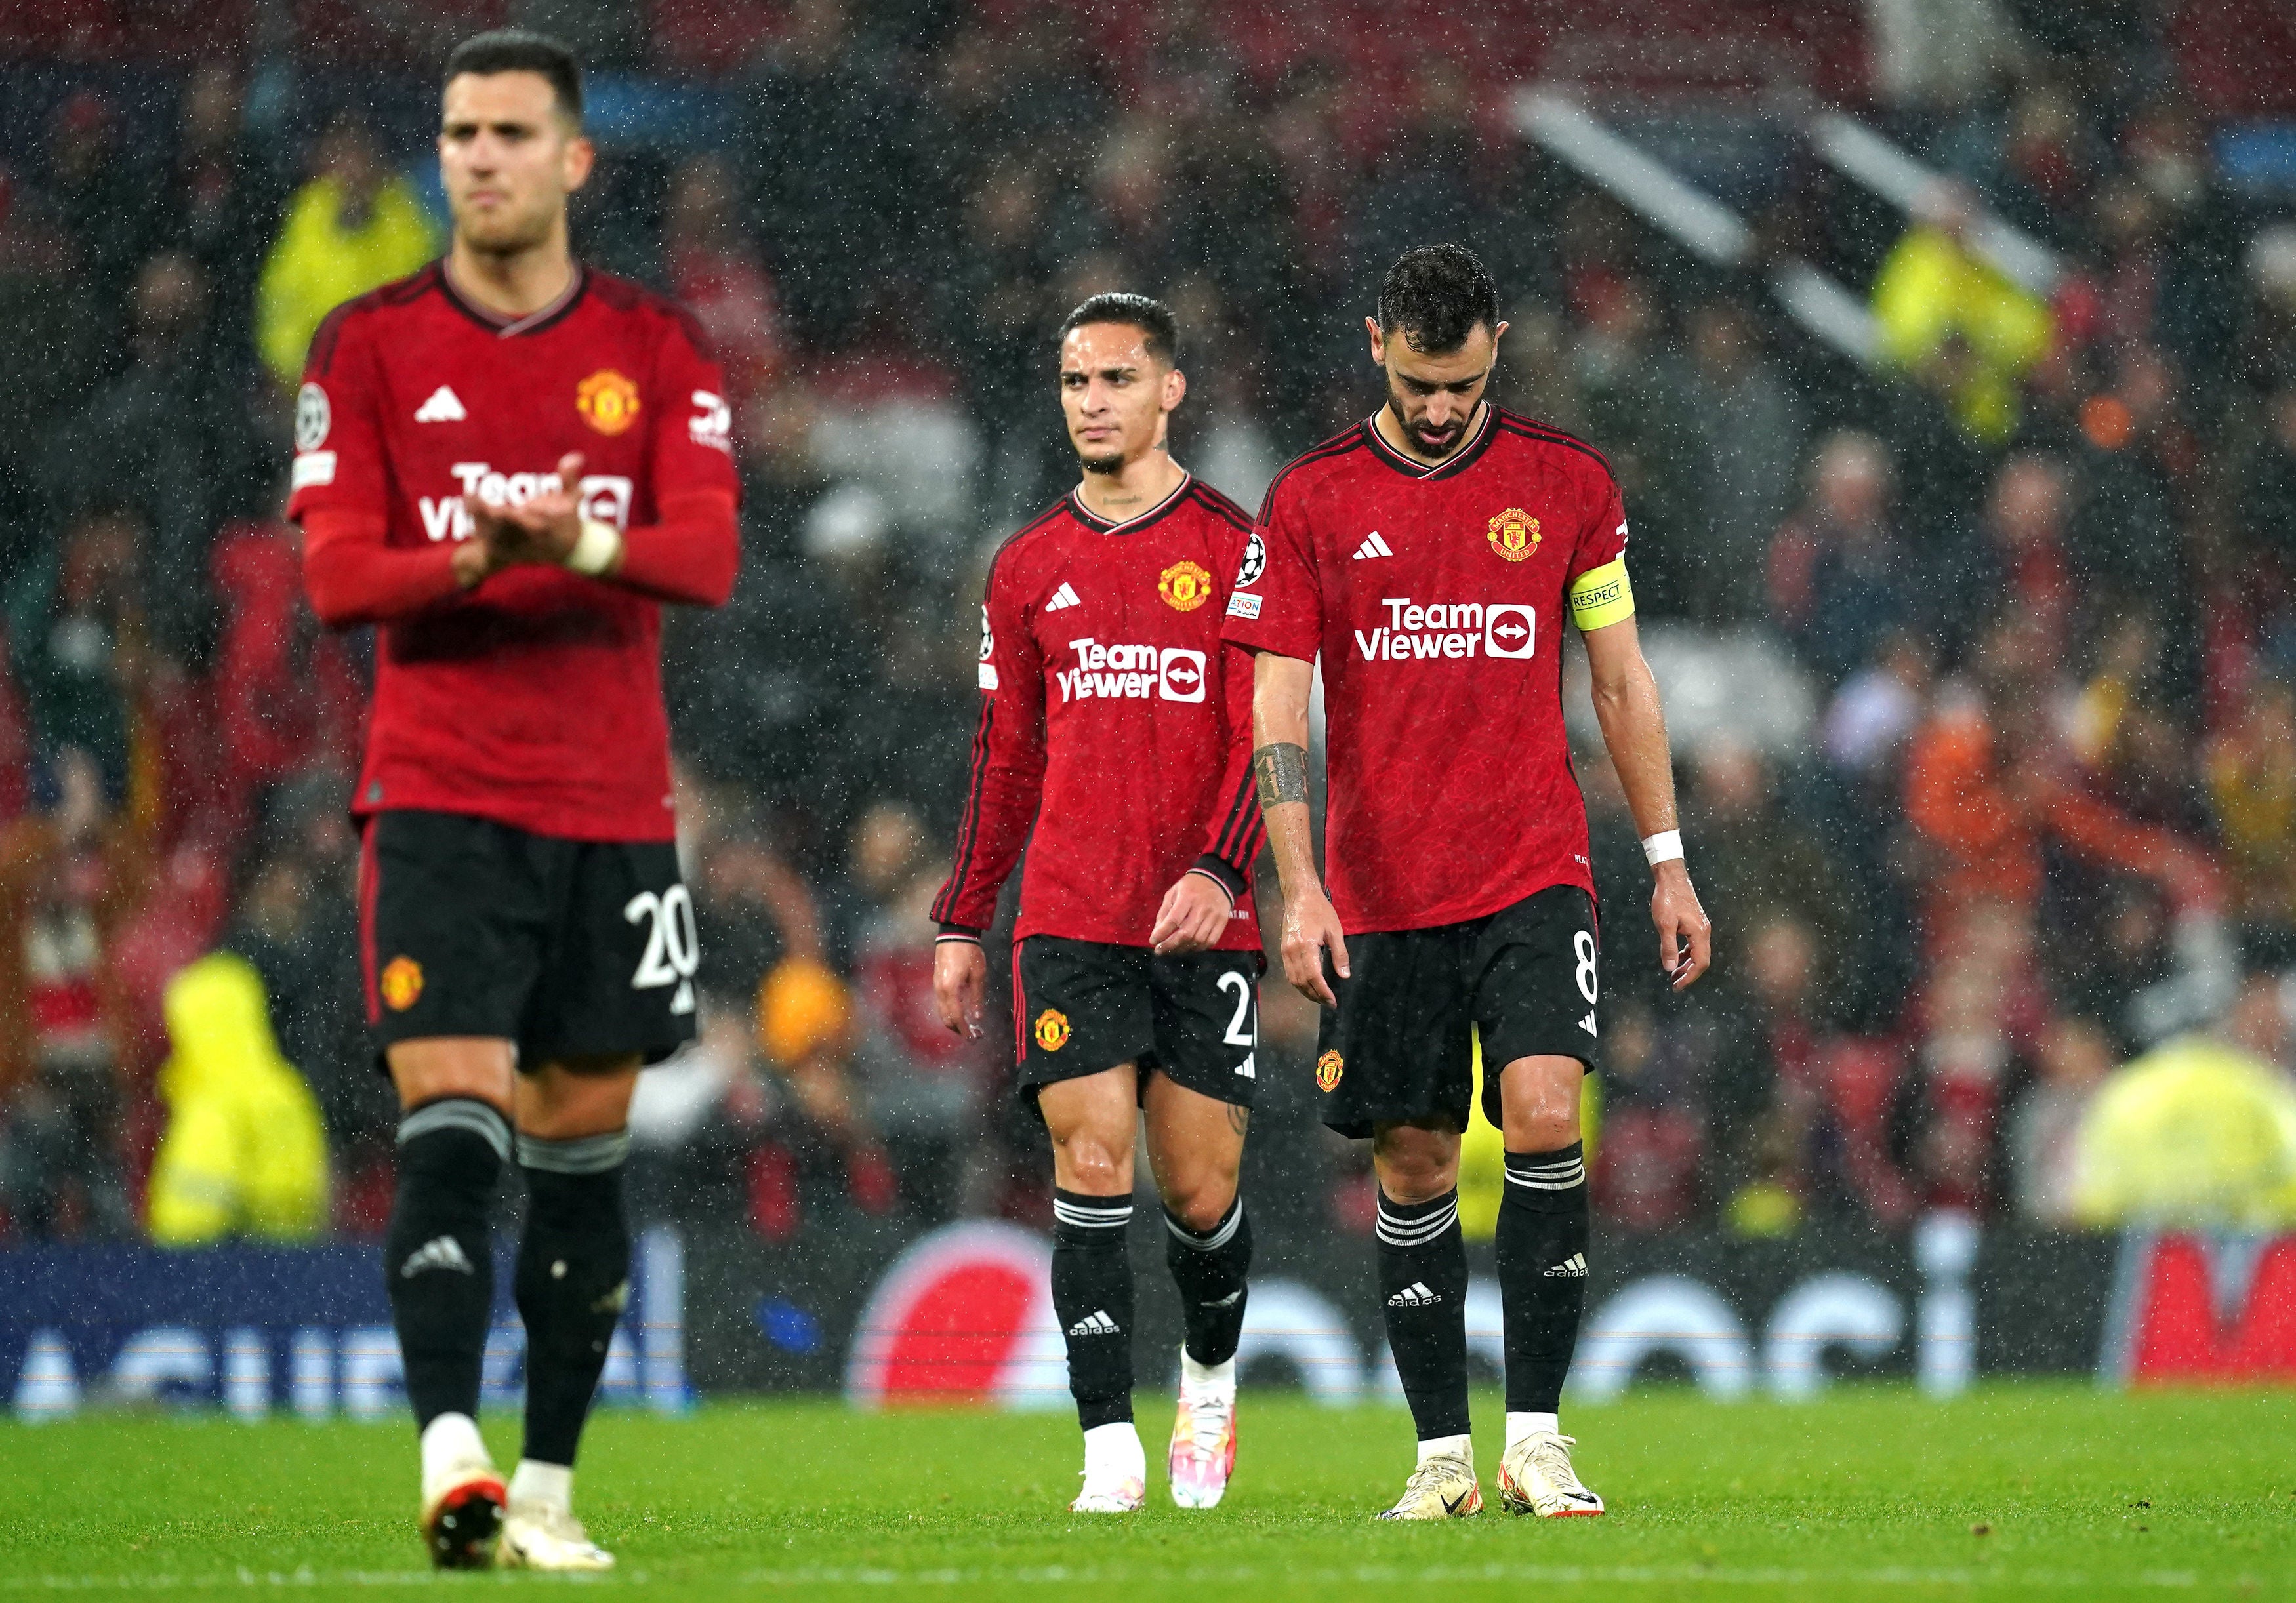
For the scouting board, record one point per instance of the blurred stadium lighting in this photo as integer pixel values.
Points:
(1859, 151)
(1703, 225)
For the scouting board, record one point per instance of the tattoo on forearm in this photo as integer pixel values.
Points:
(1282, 773)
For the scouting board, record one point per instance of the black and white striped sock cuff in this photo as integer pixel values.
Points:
(581, 1155)
(458, 1113)
(1416, 1224)
(1079, 1212)
(1547, 1171)
(1216, 1238)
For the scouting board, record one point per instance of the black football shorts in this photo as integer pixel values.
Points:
(565, 947)
(1079, 1007)
(1400, 1044)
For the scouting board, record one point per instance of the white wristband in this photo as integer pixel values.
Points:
(1665, 847)
(596, 550)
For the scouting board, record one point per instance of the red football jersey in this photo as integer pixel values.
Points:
(1113, 721)
(1436, 599)
(535, 699)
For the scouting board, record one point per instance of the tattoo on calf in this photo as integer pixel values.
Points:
(1282, 774)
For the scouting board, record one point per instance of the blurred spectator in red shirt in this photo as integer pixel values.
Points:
(718, 276)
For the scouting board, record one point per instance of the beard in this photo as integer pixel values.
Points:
(1431, 443)
(1103, 464)
(506, 234)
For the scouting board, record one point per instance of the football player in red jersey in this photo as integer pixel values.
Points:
(505, 463)
(1430, 555)
(1110, 722)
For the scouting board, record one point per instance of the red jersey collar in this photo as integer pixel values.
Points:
(532, 322)
(1456, 461)
(1138, 521)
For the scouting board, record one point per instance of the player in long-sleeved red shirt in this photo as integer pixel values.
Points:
(506, 463)
(1113, 725)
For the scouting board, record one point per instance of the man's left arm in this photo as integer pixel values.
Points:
(1634, 729)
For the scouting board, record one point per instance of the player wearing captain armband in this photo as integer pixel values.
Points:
(1427, 558)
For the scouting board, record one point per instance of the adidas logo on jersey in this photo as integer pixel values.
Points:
(1372, 546)
(1572, 1268)
(1096, 1323)
(440, 1252)
(1414, 1296)
(444, 407)
(1065, 596)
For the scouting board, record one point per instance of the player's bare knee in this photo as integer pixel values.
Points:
(1088, 1162)
(1415, 1165)
(1200, 1201)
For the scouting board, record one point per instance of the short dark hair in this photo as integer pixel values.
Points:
(520, 50)
(1436, 295)
(1152, 318)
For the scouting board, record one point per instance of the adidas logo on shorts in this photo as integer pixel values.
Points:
(1096, 1323)
(440, 1252)
(1414, 1296)
(1572, 1268)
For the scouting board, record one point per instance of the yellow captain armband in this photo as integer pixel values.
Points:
(1602, 595)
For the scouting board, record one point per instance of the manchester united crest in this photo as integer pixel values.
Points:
(607, 401)
(1514, 534)
(1185, 586)
(1051, 1029)
(1327, 1070)
(401, 984)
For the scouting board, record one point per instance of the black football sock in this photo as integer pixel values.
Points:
(1422, 1288)
(1542, 1251)
(1091, 1297)
(573, 1281)
(1210, 1270)
(438, 1254)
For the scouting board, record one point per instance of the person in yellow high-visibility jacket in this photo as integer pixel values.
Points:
(244, 1153)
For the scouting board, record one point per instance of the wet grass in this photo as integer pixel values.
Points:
(2054, 1490)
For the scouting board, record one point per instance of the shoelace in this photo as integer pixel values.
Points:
(1427, 1480)
(1211, 1420)
(561, 1524)
(1550, 1454)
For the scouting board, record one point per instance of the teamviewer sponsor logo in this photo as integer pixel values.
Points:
(1136, 672)
(605, 496)
(1454, 629)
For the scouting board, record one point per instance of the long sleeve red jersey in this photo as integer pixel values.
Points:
(1113, 722)
(536, 699)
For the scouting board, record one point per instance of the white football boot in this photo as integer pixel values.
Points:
(1115, 1471)
(1443, 1487)
(1535, 1477)
(463, 1495)
(539, 1535)
(1203, 1436)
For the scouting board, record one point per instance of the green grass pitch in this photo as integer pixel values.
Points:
(2029, 1491)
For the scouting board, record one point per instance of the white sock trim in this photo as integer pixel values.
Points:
(1113, 1453)
(537, 1481)
(1211, 1380)
(1523, 1424)
(449, 1441)
(1457, 1447)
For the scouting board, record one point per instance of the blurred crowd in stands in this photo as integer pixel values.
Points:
(1982, 661)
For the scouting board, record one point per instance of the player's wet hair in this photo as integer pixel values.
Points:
(1436, 295)
(520, 50)
(1158, 331)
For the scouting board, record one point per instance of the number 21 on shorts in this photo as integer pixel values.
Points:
(673, 948)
